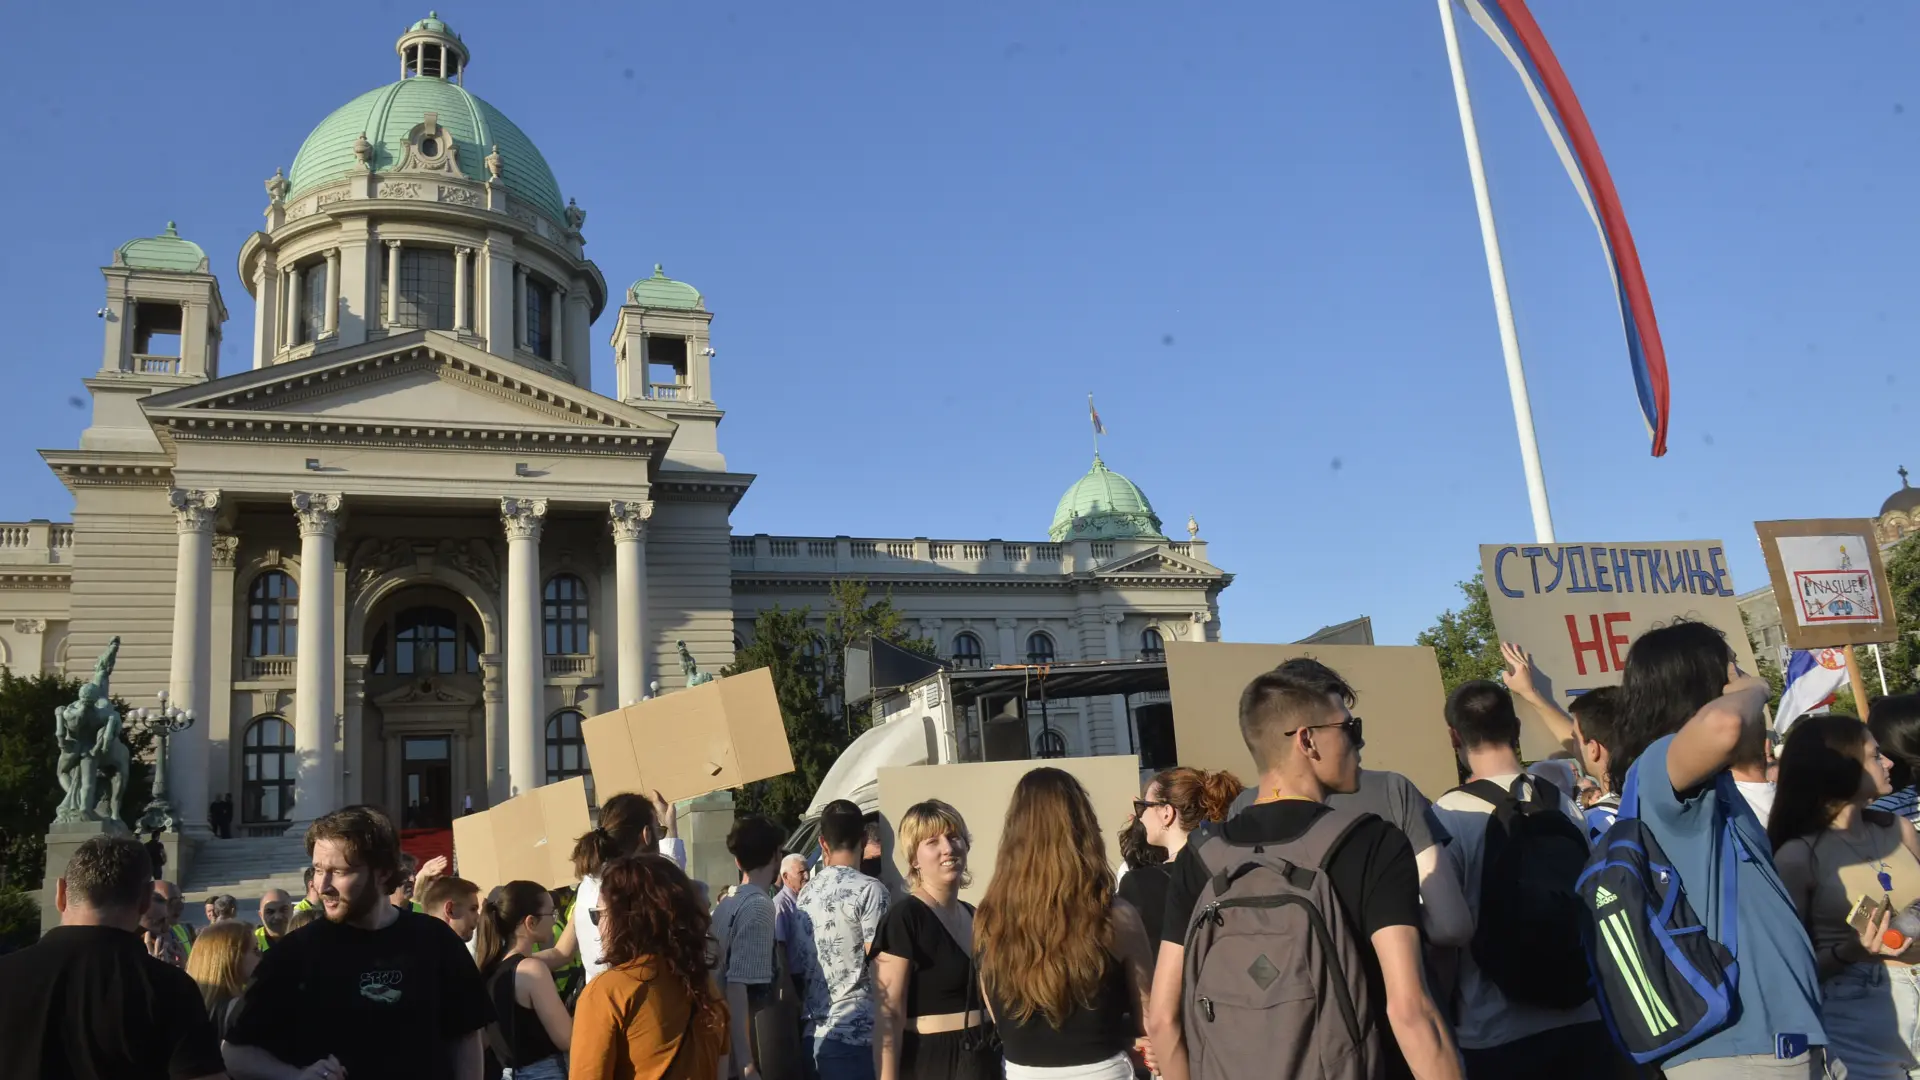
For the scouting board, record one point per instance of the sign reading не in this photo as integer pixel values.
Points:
(1578, 608)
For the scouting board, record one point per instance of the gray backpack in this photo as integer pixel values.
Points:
(1275, 981)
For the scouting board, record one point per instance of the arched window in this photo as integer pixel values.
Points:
(273, 615)
(1050, 744)
(567, 750)
(565, 615)
(1152, 645)
(424, 642)
(266, 791)
(1039, 648)
(966, 650)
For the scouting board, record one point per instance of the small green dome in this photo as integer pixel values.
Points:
(1103, 505)
(433, 25)
(387, 114)
(168, 251)
(661, 291)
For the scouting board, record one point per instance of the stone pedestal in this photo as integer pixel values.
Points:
(704, 824)
(63, 839)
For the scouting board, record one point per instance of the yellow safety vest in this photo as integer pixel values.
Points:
(186, 939)
(261, 939)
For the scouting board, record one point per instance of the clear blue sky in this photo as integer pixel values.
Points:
(1247, 226)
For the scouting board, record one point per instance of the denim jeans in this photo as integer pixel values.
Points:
(553, 1068)
(841, 1061)
(1815, 1064)
(1872, 1016)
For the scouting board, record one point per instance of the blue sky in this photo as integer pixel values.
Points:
(928, 232)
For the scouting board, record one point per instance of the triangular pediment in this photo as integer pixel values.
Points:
(422, 378)
(1158, 563)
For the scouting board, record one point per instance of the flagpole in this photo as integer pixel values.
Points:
(1502, 305)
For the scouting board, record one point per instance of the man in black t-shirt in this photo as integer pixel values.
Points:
(1307, 746)
(87, 1001)
(370, 992)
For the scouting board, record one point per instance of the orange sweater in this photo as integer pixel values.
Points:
(630, 1022)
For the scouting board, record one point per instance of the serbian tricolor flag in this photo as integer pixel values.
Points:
(1094, 415)
(1511, 26)
(1812, 680)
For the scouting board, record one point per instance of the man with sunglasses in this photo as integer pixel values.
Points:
(1306, 744)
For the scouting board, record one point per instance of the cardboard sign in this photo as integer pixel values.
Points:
(1829, 582)
(1578, 608)
(527, 838)
(983, 790)
(1398, 698)
(717, 735)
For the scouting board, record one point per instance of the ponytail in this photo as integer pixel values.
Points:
(1196, 795)
(627, 826)
(501, 914)
(1217, 792)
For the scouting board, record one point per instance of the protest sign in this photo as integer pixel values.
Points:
(1577, 608)
(982, 790)
(527, 838)
(717, 735)
(1829, 582)
(1397, 691)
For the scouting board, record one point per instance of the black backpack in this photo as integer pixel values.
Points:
(1527, 939)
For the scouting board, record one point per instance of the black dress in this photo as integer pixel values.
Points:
(936, 985)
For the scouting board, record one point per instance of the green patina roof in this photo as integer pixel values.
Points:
(386, 116)
(661, 291)
(433, 24)
(1103, 505)
(168, 251)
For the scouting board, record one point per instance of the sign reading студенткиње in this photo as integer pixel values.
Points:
(1578, 608)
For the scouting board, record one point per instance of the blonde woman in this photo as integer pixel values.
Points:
(931, 1025)
(222, 961)
(1064, 964)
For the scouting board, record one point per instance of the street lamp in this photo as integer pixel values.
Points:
(164, 722)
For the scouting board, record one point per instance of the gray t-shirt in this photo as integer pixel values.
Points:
(1388, 795)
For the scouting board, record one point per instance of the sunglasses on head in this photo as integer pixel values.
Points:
(1351, 725)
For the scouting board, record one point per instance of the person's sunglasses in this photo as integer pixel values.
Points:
(1140, 806)
(1351, 724)
(593, 915)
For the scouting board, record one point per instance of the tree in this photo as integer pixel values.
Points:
(1465, 641)
(809, 679)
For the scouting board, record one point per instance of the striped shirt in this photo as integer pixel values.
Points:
(1905, 802)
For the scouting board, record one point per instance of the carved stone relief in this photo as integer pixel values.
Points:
(395, 189)
(459, 196)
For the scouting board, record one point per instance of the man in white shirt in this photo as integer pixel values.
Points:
(1500, 1038)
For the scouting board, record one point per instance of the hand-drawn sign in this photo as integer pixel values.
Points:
(1828, 581)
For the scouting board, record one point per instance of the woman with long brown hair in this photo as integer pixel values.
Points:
(655, 1013)
(531, 1029)
(1064, 964)
(222, 960)
(629, 824)
(1176, 802)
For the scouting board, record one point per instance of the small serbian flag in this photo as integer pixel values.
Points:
(1812, 680)
(1098, 427)
(1511, 26)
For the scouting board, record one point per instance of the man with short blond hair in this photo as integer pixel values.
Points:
(454, 901)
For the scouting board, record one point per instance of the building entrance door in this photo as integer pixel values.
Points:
(426, 772)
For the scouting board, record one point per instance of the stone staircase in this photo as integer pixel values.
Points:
(246, 867)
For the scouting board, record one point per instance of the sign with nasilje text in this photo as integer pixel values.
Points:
(1829, 582)
(1578, 608)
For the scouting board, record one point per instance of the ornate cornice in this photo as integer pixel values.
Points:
(39, 577)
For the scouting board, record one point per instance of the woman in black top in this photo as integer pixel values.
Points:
(531, 1030)
(929, 1026)
(1064, 963)
(1177, 802)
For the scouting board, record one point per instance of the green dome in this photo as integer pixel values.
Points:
(386, 116)
(661, 291)
(168, 251)
(1103, 505)
(433, 25)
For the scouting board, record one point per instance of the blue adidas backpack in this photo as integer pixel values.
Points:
(1662, 981)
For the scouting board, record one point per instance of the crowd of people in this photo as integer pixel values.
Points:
(1676, 896)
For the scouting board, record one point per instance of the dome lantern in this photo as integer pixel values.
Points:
(431, 50)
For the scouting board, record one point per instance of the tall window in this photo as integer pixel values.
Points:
(539, 318)
(566, 748)
(1152, 645)
(273, 615)
(966, 650)
(565, 614)
(313, 302)
(424, 642)
(266, 792)
(1039, 649)
(426, 290)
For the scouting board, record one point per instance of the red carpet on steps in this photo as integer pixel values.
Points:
(424, 844)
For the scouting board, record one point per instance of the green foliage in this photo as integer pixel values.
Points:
(1465, 641)
(19, 917)
(807, 663)
(29, 776)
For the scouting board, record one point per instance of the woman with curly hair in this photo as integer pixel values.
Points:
(1064, 964)
(655, 1013)
(1177, 801)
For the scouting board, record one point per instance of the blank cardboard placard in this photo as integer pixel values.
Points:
(1829, 582)
(1577, 608)
(1397, 691)
(717, 735)
(527, 838)
(982, 791)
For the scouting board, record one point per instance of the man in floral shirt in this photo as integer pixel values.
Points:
(839, 913)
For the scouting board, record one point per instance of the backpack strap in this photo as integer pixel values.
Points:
(1301, 859)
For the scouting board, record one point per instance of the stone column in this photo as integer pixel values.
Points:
(630, 591)
(460, 288)
(332, 314)
(523, 519)
(353, 742)
(292, 335)
(1118, 721)
(224, 730)
(519, 306)
(191, 673)
(1010, 651)
(315, 790)
(393, 285)
(1199, 623)
(557, 316)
